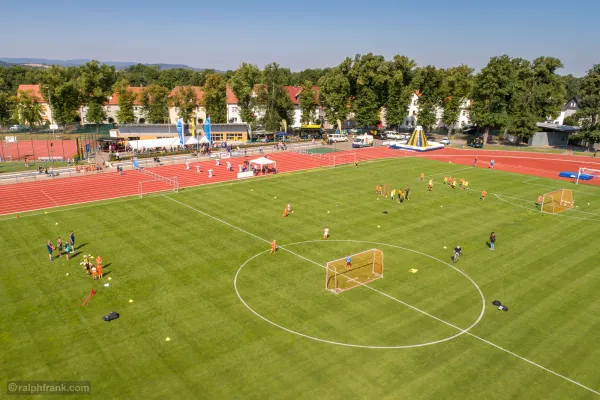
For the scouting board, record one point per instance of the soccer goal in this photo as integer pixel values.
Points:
(338, 160)
(158, 185)
(364, 267)
(586, 174)
(557, 201)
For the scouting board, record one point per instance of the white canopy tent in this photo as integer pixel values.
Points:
(264, 162)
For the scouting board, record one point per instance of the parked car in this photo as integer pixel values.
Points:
(475, 143)
(445, 141)
(336, 137)
(16, 128)
(363, 141)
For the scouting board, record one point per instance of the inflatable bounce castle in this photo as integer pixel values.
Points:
(417, 142)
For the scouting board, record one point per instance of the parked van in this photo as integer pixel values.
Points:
(363, 141)
(337, 137)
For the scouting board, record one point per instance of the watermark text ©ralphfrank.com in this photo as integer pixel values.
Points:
(48, 387)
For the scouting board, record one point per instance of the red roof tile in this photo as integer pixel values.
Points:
(294, 93)
(33, 89)
(113, 100)
(231, 99)
(197, 89)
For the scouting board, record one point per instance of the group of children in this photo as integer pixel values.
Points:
(463, 184)
(401, 194)
(90, 269)
(69, 247)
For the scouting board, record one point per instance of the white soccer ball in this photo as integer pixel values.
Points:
(378, 226)
(67, 274)
(441, 206)
(56, 223)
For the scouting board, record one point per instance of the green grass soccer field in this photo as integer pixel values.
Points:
(246, 324)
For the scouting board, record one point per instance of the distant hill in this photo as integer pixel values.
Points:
(7, 61)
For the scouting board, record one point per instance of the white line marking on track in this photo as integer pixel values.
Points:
(447, 323)
(51, 199)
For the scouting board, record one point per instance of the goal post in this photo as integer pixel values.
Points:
(158, 185)
(364, 267)
(586, 174)
(557, 201)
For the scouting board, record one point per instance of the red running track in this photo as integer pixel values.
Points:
(32, 196)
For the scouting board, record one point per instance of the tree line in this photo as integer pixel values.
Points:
(509, 94)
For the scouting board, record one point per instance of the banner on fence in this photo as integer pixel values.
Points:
(11, 139)
(179, 125)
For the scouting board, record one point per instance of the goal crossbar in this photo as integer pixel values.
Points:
(586, 174)
(365, 267)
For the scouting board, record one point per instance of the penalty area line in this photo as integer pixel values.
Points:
(463, 331)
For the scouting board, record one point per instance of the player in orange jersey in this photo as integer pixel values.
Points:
(273, 246)
(422, 176)
(483, 194)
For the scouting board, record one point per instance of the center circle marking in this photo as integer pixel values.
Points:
(461, 331)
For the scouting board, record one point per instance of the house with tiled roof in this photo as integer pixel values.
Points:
(111, 108)
(294, 93)
(199, 111)
(411, 120)
(233, 112)
(37, 94)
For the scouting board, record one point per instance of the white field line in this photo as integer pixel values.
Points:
(500, 197)
(530, 180)
(405, 304)
(51, 199)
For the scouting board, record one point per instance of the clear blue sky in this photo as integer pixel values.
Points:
(302, 33)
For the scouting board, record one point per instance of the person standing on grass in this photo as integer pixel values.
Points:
(59, 245)
(492, 240)
(393, 194)
(326, 233)
(50, 249)
(475, 162)
(407, 193)
(67, 250)
(483, 194)
(273, 246)
(422, 176)
(348, 262)
(72, 240)
(540, 199)
(430, 185)
(400, 196)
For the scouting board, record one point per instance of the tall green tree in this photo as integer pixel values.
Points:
(572, 86)
(60, 90)
(155, 104)
(428, 81)
(492, 92)
(399, 89)
(65, 103)
(456, 88)
(215, 98)
(335, 95)
(141, 75)
(538, 94)
(308, 103)
(6, 108)
(96, 82)
(28, 109)
(127, 98)
(368, 74)
(242, 84)
(272, 98)
(95, 113)
(589, 113)
(186, 102)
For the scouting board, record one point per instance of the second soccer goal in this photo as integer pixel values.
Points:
(354, 270)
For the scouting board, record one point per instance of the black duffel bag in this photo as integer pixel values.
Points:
(110, 316)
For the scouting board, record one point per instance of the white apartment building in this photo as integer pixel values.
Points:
(199, 111)
(111, 108)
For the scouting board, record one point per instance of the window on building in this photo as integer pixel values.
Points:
(464, 113)
(234, 109)
(216, 137)
(235, 136)
(414, 112)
